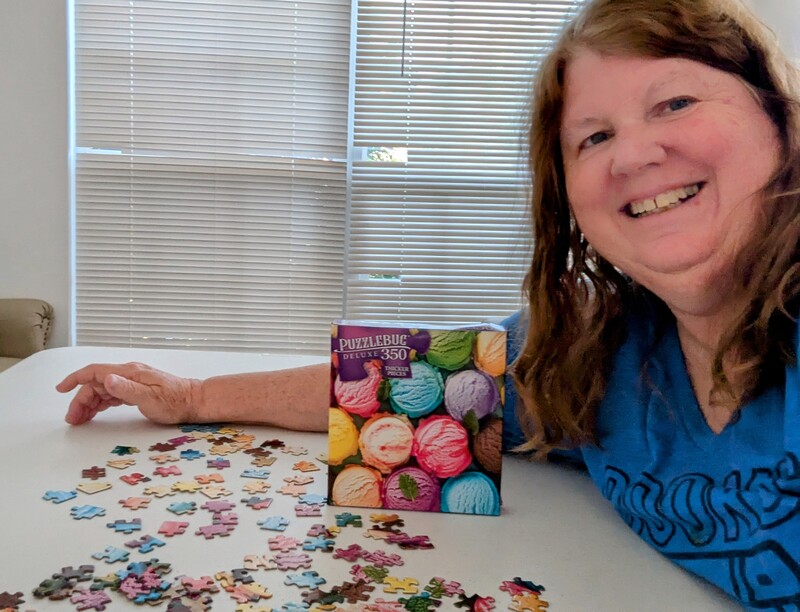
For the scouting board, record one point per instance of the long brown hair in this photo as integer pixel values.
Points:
(577, 299)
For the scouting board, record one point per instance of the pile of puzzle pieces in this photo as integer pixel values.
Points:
(295, 544)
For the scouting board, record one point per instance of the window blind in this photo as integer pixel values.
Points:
(210, 172)
(438, 220)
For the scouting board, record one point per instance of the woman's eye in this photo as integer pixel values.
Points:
(594, 139)
(677, 104)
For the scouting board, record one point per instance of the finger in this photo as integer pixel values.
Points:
(91, 373)
(126, 390)
(84, 406)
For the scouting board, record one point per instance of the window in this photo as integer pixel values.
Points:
(220, 205)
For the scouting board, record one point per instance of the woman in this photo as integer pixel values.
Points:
(664, 289)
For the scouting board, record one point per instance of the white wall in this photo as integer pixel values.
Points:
(34, 170)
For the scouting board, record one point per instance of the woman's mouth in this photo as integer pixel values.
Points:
(663, 201)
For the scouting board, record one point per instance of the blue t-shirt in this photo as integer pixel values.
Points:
(724, 506)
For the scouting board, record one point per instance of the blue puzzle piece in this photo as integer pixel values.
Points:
(348, 518)
(126, 527)
(201, 427)
(145, 544)
(253, 473)
(274, 523)
(312, 498)
(58, 497)
(112, 554)
(184, 507)
(294, 607)
(318, 543)
(190, 454)
(310, 579)
(87, 512)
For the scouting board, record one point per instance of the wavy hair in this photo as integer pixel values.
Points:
(577, 299)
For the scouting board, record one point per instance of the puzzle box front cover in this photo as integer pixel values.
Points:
(416, 416)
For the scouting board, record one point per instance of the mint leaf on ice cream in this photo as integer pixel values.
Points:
(470, 423)
(408, 487)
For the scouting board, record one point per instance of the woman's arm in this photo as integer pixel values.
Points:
(295, 398)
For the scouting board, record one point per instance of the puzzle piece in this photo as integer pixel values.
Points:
(380, 558)
(168, 470)
(221, 505)
(126, 527)
(272, 444)
(225, 518)
(308, 579)
(164, 458)
(294, 607)
(410, 542)
(293, 490)
(254, 562)
(93, 473)
(383, 518)
(121, 464)
(263, 461)
(294, 450)
(318, 543)
(308, 510)
(299, 479)
(528, 602)
(352, 553)
(253, 473)
(439, 587)
(204, 584)
(191, 454)
(224, 449)
(353, 592)
(209, 478)
(134, 478)
(59, 497)
(283, 543)
(145, 544)
(184, 507)
(215, 492)
(87, 512)
(318, 529)
(242, 575)
(112, 554)
(159, 491)
(313, 499)
(274, 523)
(293, 561)
(218, 463)
(135, 503)
(256, 486)
(211, 531)
(80, 573)
(409, 586)
(475, 603)
(87, 599)
(324, 600)
(347, 518)
(162, 447)
(305, 466)
(90, 488)
(171, 528)
(124, 450)
(419, 603)
(186, 486)
(11, 601)
(180, 440)
(258, 503)
(519, 586)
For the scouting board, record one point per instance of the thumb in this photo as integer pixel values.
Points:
(126, 390)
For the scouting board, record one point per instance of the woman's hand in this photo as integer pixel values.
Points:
(161, 397)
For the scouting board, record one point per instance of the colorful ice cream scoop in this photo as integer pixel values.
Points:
(490, 352)
(450, 350)
(419, 395)
(411, 488)
(357, 485)
(470, 493)
(360, 396)
(488, 445)
(385, 441)
(342, 436)
(441, 446)
(470, 390)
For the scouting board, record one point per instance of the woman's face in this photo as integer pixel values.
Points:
(663, 160)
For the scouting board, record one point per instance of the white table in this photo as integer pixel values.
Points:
(555, 528)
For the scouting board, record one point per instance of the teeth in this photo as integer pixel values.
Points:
(664, 200)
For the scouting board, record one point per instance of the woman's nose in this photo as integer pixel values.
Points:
(634, 150)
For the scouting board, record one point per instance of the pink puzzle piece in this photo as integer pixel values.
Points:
(283, 543)
(171, 528)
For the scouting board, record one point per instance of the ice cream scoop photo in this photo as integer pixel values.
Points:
(441, 446)
(490, 353)
(470, 390)
(385, 441)
(419, 395)
(357, 485)
(450, 350)
(470, 493)
(342, 436)
(411, 488)
(360, 396)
